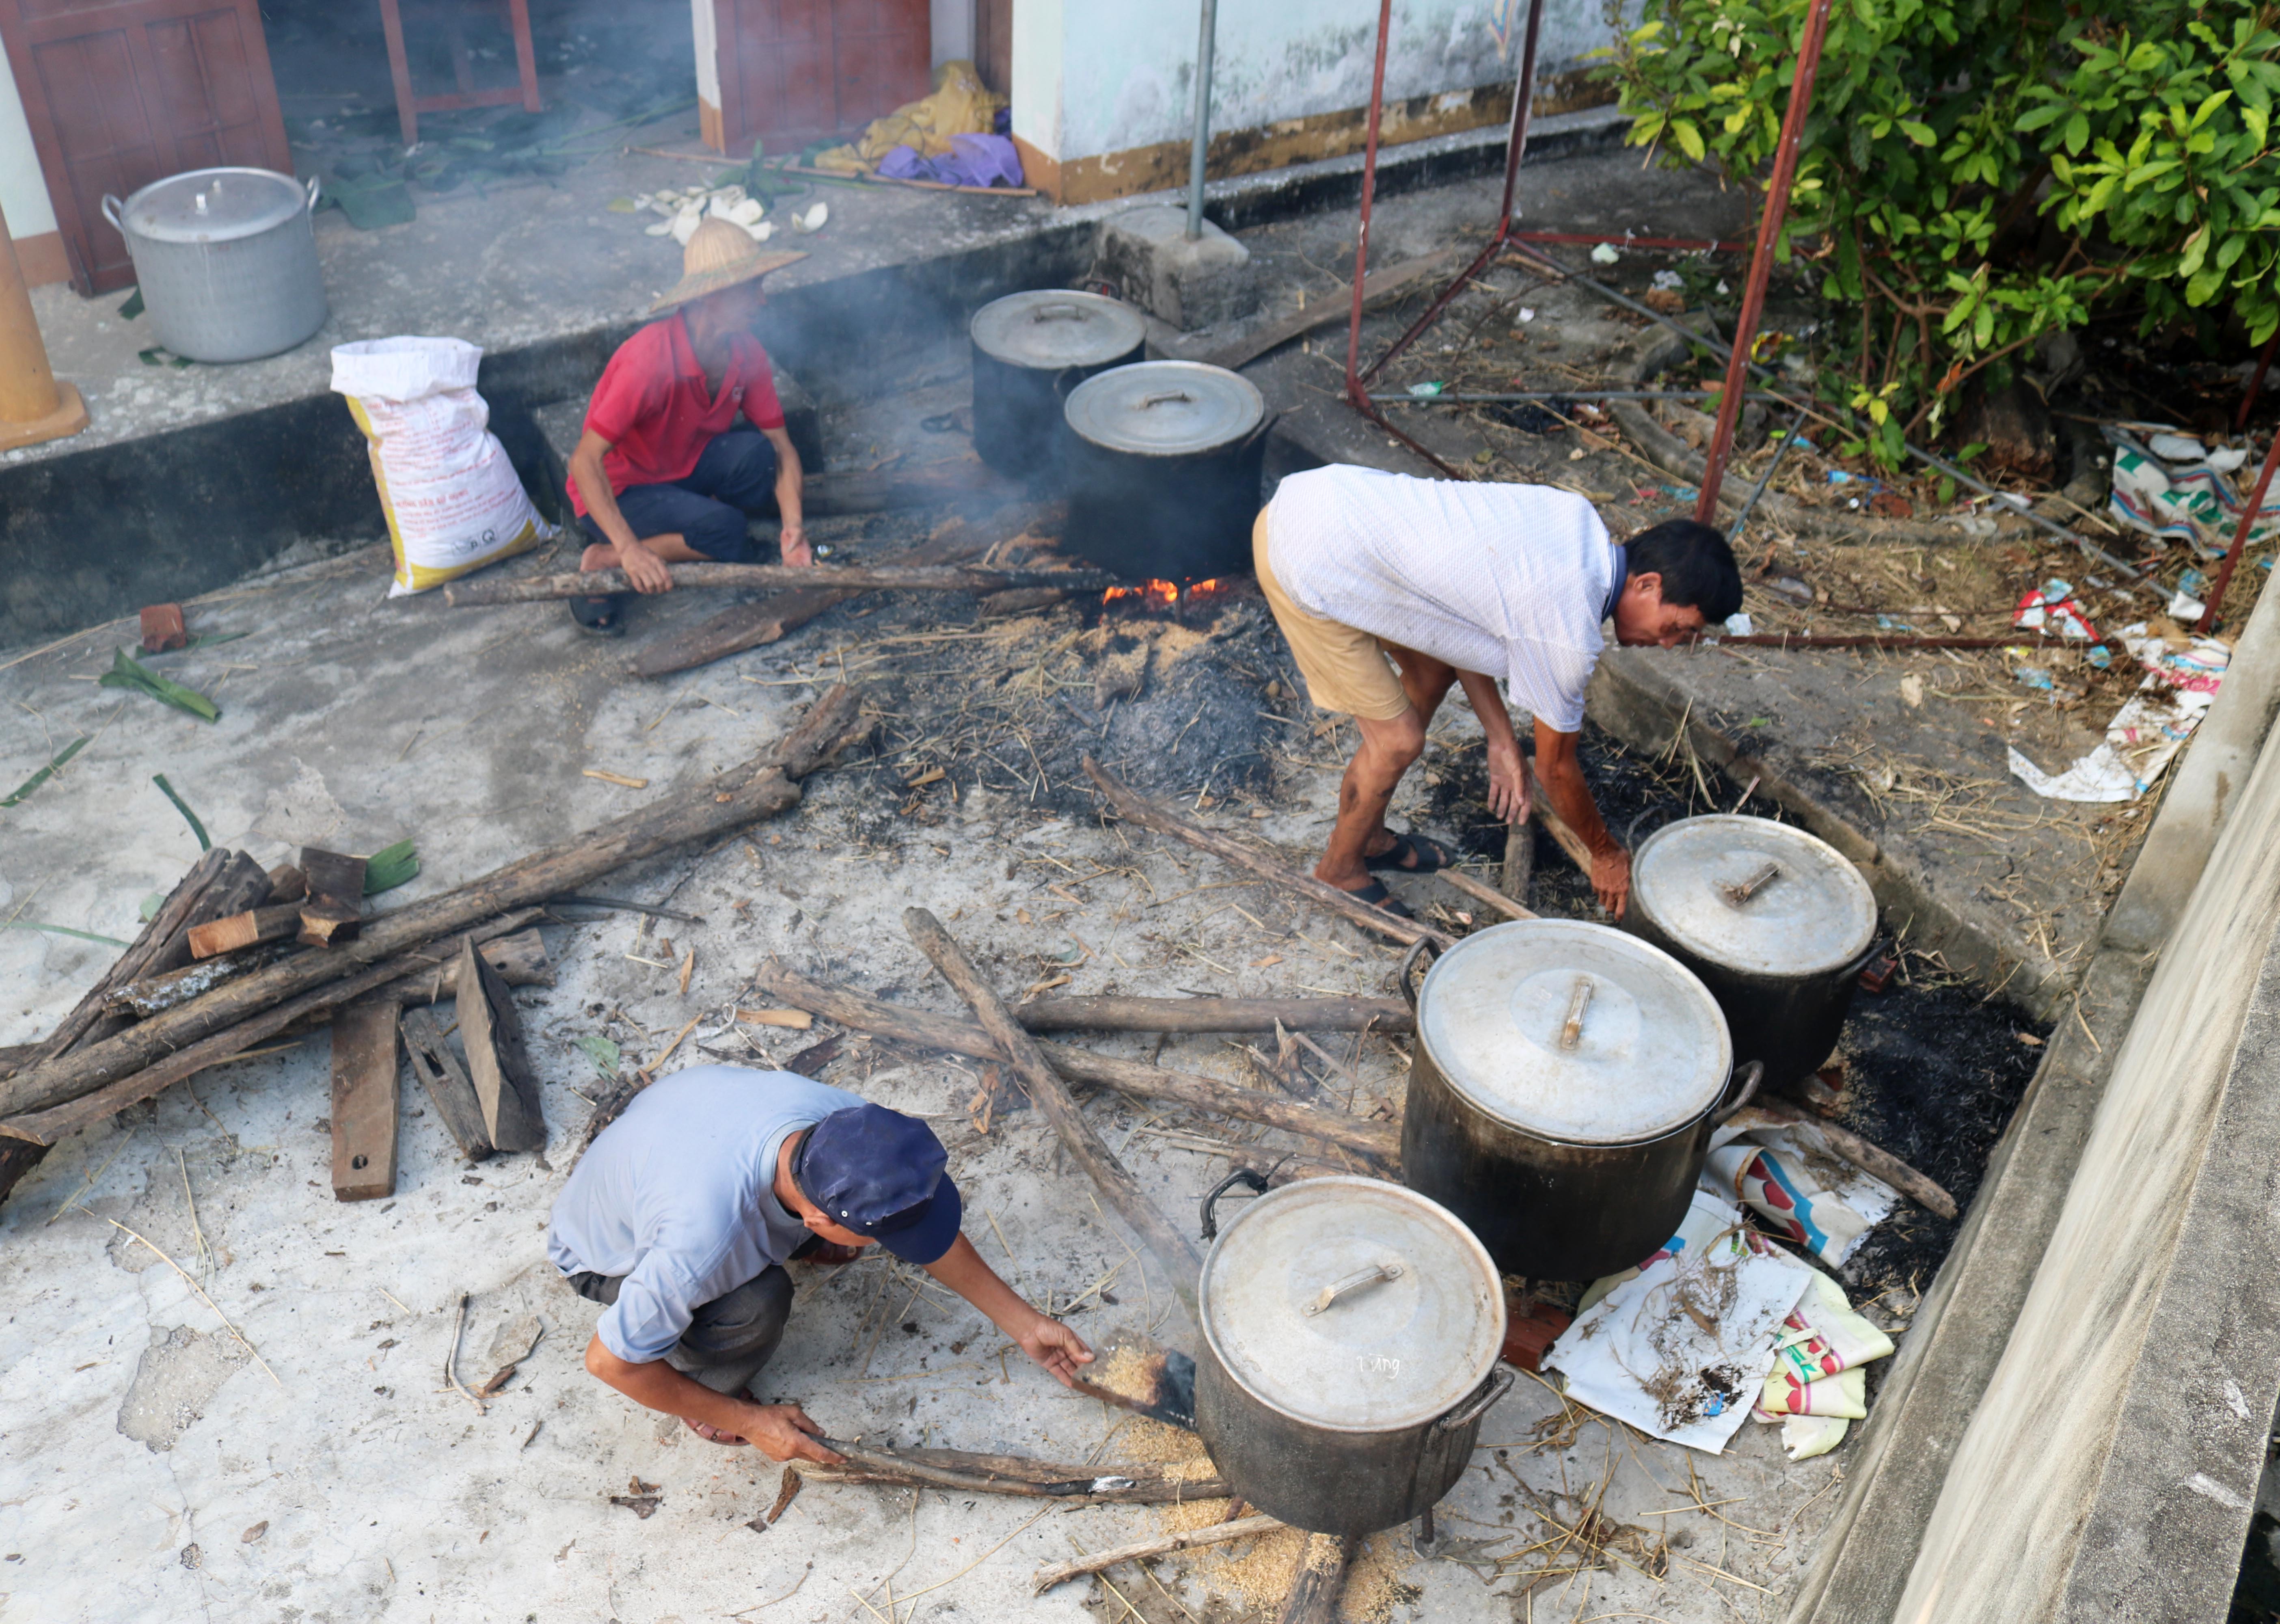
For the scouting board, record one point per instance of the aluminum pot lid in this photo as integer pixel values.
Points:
(1166, 408)
(1752, 895)
(214, 205)
(1574, 1032)
(1049, 329)
(1351, 1304)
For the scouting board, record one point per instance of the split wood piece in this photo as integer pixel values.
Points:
(365, 1100)
(706, 810)
(926, 1029)
(747, 577)
(1519, 860)
(520, 960)
(288, 883)
(952, 1469)
(243, 930)
(1479, 893)
(747, 626)
(70, 1115)
(1873, 1159)
(135, 961)
(154, 995)
(449, 1087)
(490, 1031)
(1126, 1014)
(1376, 286)
(1218, 1534)
(1563, 833)
(1317, 1582)
(333, 912)
(1149, 814)
(1051, 1096)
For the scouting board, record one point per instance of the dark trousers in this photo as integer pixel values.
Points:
(735, 476)
(729, 1339)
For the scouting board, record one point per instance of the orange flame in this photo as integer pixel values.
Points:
(1151, 594)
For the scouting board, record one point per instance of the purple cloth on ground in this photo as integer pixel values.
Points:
(980, 160)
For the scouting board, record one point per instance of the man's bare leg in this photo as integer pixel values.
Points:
(1387, 750)
(669, 547)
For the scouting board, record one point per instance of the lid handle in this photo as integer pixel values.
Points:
(1058, 312)
(1355, 1281)
(1165, 397)
(1737, 894)
(1571, 1030)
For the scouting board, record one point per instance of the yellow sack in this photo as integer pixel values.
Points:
(961, 105)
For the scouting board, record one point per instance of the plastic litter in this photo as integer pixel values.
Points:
(2187, 500)
(2183, 675)
(2052, 606)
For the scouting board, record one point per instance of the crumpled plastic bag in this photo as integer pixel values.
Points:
(2183, 673)
(961, 105)
(1798, 1189)
(2189, 501)
(2052, 607)
(977, 160)
(1817, 1387)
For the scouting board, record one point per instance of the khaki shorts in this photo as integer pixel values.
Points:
(1346, 671)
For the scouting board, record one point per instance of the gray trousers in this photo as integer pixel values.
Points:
(729, 1339)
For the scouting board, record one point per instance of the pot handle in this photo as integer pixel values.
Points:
(1241, 1175)
(314, 191)
(1499, 1384)
(114, 211)
(1868, 957)
(1409, 968)
(1751, 1074)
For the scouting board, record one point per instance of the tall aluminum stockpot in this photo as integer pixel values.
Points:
(227, 261)
(1351, 1330)
(1565, 1079)
(1029, 350)
(1775, 922)
(1162, 460)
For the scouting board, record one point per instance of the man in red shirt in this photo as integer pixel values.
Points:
(665, 474)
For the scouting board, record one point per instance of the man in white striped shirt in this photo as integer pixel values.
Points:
(1465, 582)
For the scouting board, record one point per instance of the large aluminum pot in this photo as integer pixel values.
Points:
(1350, 1334)
(1163, 462)
(1566, 1080)
(1029, 350)
(1776, 923)
(227, 261)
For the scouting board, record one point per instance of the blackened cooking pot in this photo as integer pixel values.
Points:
(1029, 350)
(1351, 1329)
(1162, 460)
(1566, 1080)
(1776, 923)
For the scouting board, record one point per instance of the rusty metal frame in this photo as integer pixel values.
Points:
(2208, 621)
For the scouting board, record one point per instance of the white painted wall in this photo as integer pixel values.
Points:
(23, 190)
(1098, 79)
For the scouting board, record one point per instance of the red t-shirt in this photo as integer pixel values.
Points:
(655, 410)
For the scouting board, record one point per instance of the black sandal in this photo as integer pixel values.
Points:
(1378, 897)
(600, 616)
(1411, 854)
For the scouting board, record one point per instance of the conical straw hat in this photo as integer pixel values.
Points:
(719, 255)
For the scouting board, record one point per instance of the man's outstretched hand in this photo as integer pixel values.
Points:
(1056, 1347)
(793, 544)
(781, 1432)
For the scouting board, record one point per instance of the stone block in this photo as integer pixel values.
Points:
(1189, 281)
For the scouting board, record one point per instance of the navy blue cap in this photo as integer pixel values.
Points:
(880, 1174)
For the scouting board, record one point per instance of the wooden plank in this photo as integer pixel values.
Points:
(288, 883)
(241, 885)
(729, 577)
(520, 960)
(1317, 1581)
(1378, 285)
(1138, 1014)
(334, 909)
(1163, 1238)
(446, 1080)
(365, 1074)
(135, 960)
(154, 995)
(490, 1031)
(242, 930)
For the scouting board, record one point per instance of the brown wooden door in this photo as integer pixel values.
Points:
(795, 70)
(993, 43)
(120, 93)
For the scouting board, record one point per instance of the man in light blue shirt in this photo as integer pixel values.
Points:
(684, 1211)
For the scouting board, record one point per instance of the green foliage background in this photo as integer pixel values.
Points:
(1975, 175)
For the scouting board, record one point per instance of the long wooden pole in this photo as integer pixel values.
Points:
(1147, 813)
(1217, 1533)
(760, 788)
(926, 1029)
(1051, 1096)
(818, 577)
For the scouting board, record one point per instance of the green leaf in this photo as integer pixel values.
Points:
(54, 766)
(125, 672)
(604, 1053)
(2078, 132)
(62, 930)
(132, 306)
(1689, 138)
(1920, 134)
(183, 807)
(391, 866)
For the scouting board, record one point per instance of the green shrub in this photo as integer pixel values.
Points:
(1973, 176)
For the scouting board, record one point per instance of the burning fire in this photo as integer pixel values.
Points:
(1156, 596)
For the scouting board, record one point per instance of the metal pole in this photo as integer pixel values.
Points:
(2255, 383)
(1761, 261)
(1207, 36)
(2208, 622)
(1354, 391)
(1765, 479)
